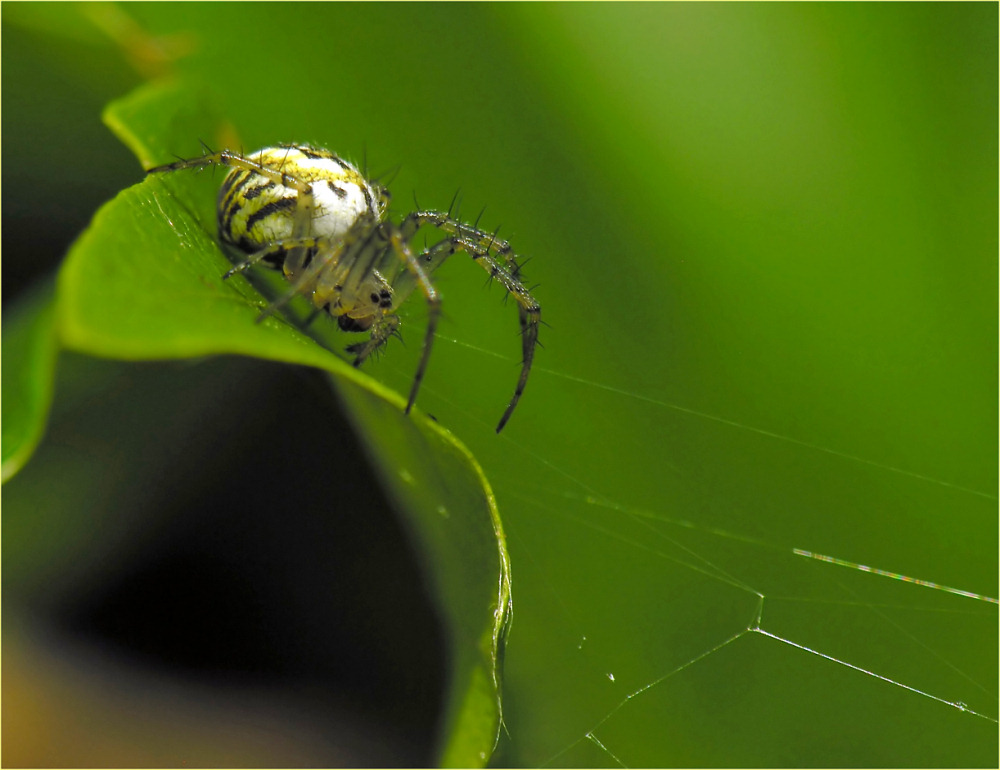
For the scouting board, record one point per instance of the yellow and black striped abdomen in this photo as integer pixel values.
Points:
(255, 211)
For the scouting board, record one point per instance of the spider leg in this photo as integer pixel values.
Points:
(236, 160)
(312, 279)
(529, 311)
(420, 277)
(496, 257)
(276, 247)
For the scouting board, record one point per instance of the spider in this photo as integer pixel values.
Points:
(316, 217)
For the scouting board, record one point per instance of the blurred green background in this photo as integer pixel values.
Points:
(766, 247)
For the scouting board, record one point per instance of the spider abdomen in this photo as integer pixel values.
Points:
(255, 211)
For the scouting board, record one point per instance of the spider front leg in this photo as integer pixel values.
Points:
(498, 259)
(402, 249)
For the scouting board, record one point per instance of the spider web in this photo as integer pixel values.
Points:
(732, 621)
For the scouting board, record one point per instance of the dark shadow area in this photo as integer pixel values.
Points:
(264, 553)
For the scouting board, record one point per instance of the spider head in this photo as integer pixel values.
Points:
(357, 312)
(383, 199)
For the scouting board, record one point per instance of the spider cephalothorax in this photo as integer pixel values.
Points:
(319, 219)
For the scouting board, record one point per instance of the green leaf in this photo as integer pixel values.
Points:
(29, 357)
(458, 532)
(145, 279)
(144, 282)
(765, 238)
